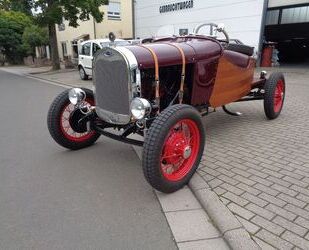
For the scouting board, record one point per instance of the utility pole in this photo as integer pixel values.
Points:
(133, 18)
(94, 28)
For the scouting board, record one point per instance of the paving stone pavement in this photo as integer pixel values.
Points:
(260, 168)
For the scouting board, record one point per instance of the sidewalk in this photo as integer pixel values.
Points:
(253, 181)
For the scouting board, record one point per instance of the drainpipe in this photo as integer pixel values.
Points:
(263, 23)
(133, 19)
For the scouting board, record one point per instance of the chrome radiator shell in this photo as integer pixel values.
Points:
(112, 78)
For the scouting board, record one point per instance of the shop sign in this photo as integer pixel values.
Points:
(176, 6)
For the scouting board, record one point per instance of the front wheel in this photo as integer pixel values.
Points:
(63, 122)
(173, 148)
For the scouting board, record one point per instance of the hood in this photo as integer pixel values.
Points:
(196, 48)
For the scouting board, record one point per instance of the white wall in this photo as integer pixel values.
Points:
(278, 3)
(242, 18)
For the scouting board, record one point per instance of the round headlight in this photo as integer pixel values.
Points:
(140, 107)
(77, 95)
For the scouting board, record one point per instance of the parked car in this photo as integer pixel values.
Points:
(88, 49)
(160, 91)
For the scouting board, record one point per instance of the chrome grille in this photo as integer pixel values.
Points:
(112, 84)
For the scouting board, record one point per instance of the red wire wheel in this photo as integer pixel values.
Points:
(274, 95)
(173, 148)
(279, 96)
(63, 125)
(180, 150)
(67, 120)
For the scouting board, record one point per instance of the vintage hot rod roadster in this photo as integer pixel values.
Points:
(160, 90)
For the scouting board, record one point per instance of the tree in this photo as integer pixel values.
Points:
(12, 25)
(34, 36)
(23, 6)
(53, 12)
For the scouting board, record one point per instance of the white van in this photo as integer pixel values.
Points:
(88, 49)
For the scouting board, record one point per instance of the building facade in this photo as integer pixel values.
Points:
(243, 19)
(117, 18)
(251, 21)
(284, 22)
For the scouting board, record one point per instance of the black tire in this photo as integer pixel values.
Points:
(55, 127)
(82, 73)
(274, 97)
(156, 140)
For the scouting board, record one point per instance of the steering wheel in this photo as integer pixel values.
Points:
(214, 27)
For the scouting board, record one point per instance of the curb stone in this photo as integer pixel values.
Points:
(88, 85)
(49, 80)
(220, 242)
(232, 230)
(52, 72)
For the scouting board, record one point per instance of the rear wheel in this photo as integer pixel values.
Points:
(173, 148)
(82, 73)
(274, 95)
(63, 122)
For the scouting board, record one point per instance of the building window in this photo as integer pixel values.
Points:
(64, 49)
(113, 12)
(272, 17)
(74, 49)
(61, 26)
(295, 15)
(86, 49)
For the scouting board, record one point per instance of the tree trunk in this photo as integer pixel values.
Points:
(54, 46)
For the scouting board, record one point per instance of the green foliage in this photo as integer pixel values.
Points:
(15, 43)
(23, 6)
(17, 19)
(12, 25)
(34, 36)
(53, 11)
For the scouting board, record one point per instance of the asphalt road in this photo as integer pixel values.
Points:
(53, 198)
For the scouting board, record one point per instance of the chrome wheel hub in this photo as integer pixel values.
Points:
(187, 152)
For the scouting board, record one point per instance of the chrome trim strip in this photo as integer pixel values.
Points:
(132, 61)
(138, 81)
(133, 65)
